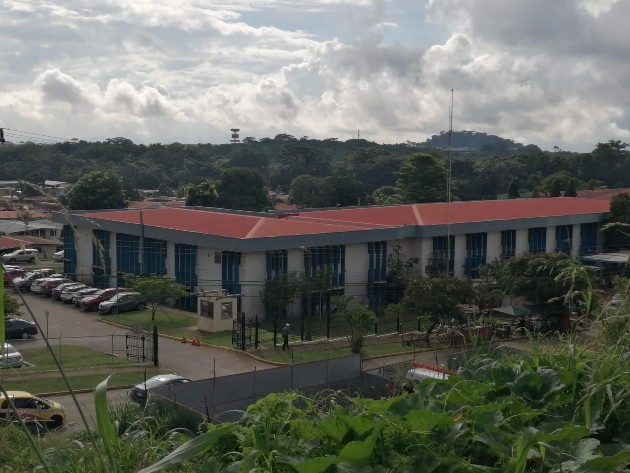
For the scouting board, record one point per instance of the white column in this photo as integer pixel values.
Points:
(357, 265)
(113, 280)
(460, 255)
(493, 247)
(551, 240)
(576, 241)
(522, 245)
(427, 249)
(170, 259)
(253, 274)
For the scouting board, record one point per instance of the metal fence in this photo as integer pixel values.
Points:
(225, 398)
(141, 346)
(252, 333)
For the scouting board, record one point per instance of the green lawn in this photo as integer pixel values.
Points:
(83, 367)
(170, 323)
(78, 381)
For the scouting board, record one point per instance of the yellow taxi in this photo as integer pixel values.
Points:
(32, 408)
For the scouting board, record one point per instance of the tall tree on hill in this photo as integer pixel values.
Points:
(242, 189)
(97, 190)
(513, 192)
(422, 178)
(203, 194)
(570, 190)
(554, 190)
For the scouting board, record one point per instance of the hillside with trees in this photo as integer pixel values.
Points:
(325, 173)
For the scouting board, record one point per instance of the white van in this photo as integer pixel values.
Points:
(427, 372)
(23, 255)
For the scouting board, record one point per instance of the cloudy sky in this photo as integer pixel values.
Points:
(544, 72)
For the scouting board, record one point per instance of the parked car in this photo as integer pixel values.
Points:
(10, 357)
(23, 283)
(58, 256)
(68, 293)
(12, 273)
(78, 296)
(91, 302)
(32, 408)
(15, 327)
(122, 302)
(23, 255)
(47, 287)
(139, 393)
(55, 294)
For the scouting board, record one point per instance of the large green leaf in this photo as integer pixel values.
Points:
(617, 462)
(335, 428)
(105, 426)
(190, 449)
(537, 386)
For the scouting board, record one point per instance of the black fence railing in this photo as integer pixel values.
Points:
(250, 332)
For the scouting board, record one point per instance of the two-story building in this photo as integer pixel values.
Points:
(208, 249)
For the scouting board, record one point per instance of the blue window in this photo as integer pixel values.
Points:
(69, 251)
(230, 272)
(476, 247)
(186, 274)
(443, 255)
(377, 274)
(564, 238)
(101, 259)
(537, 239)
(508, 244)
(588, 238)
(277, 263)
(318, 257)
(154, 257)
(127, 256)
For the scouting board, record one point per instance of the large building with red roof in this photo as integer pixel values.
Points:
(208, 249)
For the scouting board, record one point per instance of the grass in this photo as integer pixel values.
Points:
(84, 368)
(78, 382)
(170, 323)
(70, 357)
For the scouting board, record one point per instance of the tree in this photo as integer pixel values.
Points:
(513, 190)
(570, 190)
(554, 190)
(156, 290)
(438, 298)
(422, 178)
(616, 231)
(399, 269)
(203, 194)
(242, 189)
(358, 318)
(534, 277)
(97, 190)
(347, 191)
(11, 304)
(311, 192)
(280, 291)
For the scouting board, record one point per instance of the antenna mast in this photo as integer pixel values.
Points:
(448, 185)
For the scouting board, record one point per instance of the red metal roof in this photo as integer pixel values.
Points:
(235, 225)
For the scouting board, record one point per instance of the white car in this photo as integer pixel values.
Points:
(58, 256)
(23, 255)
(11, 358)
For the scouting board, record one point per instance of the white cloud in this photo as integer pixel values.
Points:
(548, 73)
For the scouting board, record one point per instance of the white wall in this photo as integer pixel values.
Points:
(252, 276)
(522, 244)
(551, 240)
(493, 246)
(208, 272)
(357, 265)
(460, 255)
(83, 241)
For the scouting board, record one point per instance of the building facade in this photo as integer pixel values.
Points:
(208, 249)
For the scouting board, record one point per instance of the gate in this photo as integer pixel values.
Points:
(244, 333)
(142, 346)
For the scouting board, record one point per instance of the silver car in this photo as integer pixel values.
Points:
(11, 358)
(23, 255)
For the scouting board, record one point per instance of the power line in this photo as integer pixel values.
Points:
(34, 137)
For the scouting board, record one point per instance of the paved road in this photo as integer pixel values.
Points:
(73, 326)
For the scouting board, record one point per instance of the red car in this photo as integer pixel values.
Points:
(91, 302)
(12, 272)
